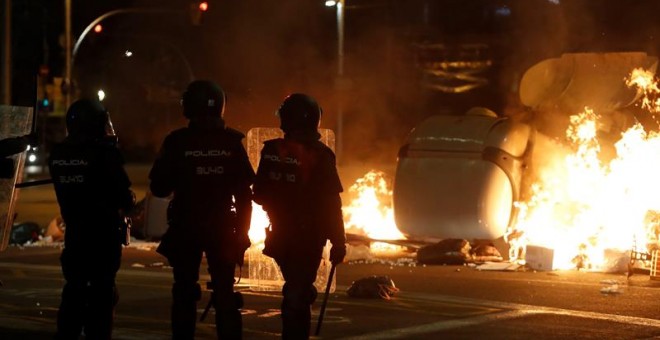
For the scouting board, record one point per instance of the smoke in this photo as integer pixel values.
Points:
(260, 51)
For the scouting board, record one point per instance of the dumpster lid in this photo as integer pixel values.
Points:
(575, 80)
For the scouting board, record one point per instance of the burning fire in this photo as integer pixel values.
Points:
(584, 207)
(258, 225)
(369, 213)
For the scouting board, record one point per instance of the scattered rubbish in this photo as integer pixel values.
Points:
(486, 253)
(23, 233)
(458, 251)
(613, 289)
(539, 258)
(55, 229)
(448, 251)
(373, 287)
(505, 266)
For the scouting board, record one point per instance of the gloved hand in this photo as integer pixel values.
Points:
(337, 253)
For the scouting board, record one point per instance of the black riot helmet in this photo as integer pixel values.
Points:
(203, 98)
(299, 112)
(87, 119)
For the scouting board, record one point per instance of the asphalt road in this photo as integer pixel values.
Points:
(450, 302)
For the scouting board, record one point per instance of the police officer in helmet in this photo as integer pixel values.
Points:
(93, 191)
(205, 168)
(298, 186)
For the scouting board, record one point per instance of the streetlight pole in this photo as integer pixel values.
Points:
(340, 76)
(71, 53)
(340, 82)
(6, 58)
(67, 53)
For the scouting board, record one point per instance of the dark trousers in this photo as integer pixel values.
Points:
(89, 294)
(186, 292)
(298, 294)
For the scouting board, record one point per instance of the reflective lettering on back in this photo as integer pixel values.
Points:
(69, 162)
(209, 170)
(207, 153)
(285, 160)
(71, 179)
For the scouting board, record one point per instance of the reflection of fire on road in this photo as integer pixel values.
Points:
(584, 207)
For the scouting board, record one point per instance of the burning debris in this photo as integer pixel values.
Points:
(590, 206)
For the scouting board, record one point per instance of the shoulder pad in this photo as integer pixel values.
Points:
(234, 133)
(177, 132)
(273, 141)
(320, 145)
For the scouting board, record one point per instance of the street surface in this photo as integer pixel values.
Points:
(451, 302)
(448, 302)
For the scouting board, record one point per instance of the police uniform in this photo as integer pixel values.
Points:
(206, 168)
(298, 186)
(92, 187)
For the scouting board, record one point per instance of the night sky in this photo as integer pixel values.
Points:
(259, 51)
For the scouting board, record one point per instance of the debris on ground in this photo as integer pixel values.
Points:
(612, 287)
(23, 233)
(449, 251)
(499, 266)
(373, 287)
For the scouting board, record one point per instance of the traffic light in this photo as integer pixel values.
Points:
(98, 28)
(45, 105)
(197, 8)
(203, 6)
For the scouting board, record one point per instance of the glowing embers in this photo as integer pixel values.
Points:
(588, 207)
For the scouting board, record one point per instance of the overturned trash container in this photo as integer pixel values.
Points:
(458, 176)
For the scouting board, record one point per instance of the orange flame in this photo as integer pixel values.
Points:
(583, 208)
(370, 212)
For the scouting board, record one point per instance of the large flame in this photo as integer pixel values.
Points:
(368, 212)
(584, 207)
(258, 225)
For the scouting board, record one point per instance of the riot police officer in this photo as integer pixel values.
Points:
(206, 168)
(298, 186)
(92, 190)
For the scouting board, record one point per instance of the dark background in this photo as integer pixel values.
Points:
(261, 50)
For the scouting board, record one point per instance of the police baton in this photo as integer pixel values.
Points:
(325, 299)
(33, 183)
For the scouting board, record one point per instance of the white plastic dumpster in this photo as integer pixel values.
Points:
(458, 176)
